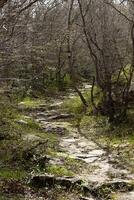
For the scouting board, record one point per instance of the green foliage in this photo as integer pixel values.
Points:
(59, 170)
(74, 105)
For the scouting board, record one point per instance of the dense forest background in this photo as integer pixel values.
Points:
(48, 44)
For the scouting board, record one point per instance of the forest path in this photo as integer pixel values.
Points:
(97, 166)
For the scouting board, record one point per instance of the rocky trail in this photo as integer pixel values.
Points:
(95, 175)
(97, 162)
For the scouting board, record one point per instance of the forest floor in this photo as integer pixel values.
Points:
(70, 161)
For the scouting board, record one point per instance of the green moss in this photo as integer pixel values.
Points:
(10, 174)
(59, 171)
(31, 103)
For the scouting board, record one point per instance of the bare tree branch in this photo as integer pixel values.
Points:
(27, 6)
(121, 13)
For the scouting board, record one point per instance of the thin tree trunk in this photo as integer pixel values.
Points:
(70, 56)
